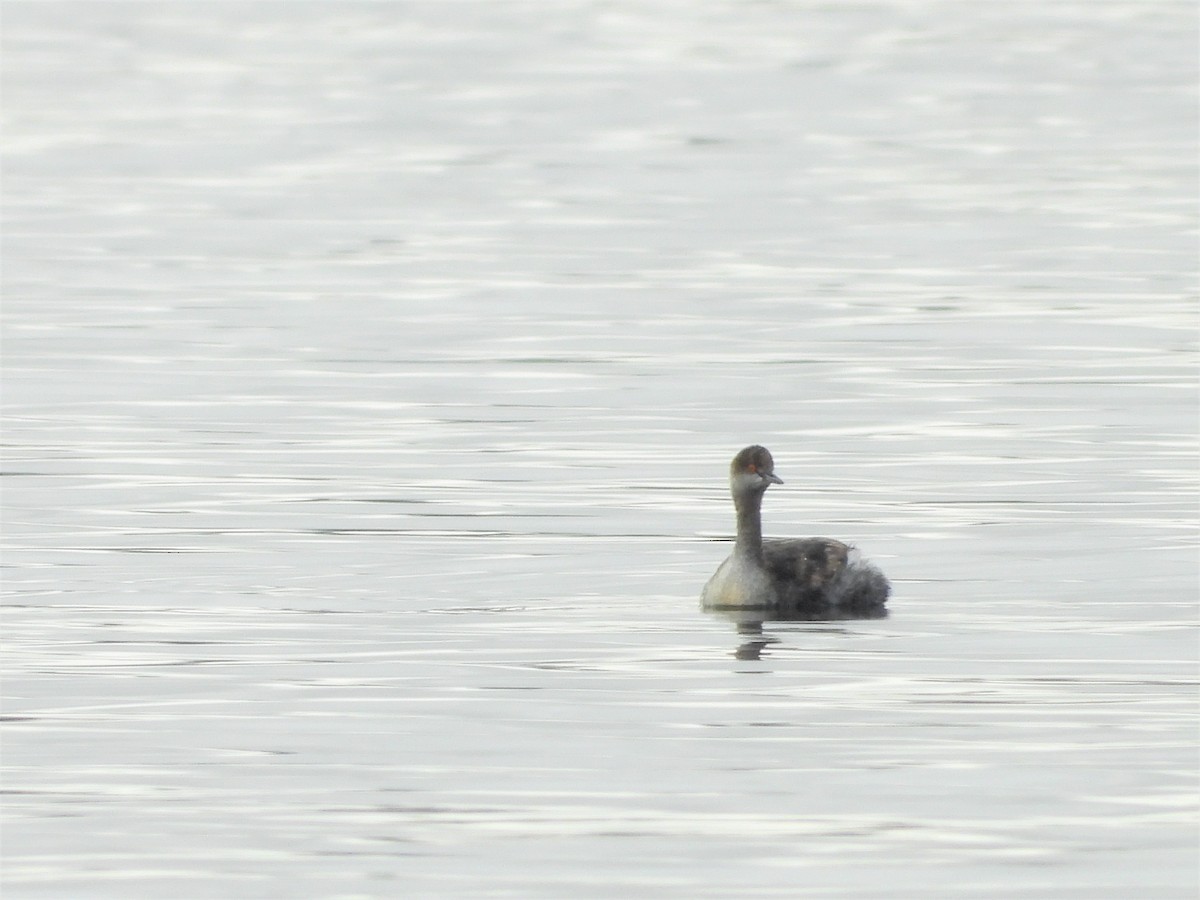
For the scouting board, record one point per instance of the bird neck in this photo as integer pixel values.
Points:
(749, 525)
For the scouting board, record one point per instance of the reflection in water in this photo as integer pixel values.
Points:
(748, 623)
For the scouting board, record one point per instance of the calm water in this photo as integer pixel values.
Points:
(371, 372)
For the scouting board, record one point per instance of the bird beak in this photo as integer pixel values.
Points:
(772, 478)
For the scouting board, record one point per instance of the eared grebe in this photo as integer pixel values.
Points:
(814, 576)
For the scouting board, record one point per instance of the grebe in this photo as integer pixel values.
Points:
(803, 576)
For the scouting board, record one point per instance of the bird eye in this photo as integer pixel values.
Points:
(752, 468)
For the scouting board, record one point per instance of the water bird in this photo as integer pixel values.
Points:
(812, 577)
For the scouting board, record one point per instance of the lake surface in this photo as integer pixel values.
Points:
(371, 372)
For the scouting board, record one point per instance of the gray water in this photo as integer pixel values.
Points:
(371, 371)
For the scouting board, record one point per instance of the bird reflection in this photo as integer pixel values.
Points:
(748, 623)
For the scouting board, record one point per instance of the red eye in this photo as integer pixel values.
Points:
(752, 468)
